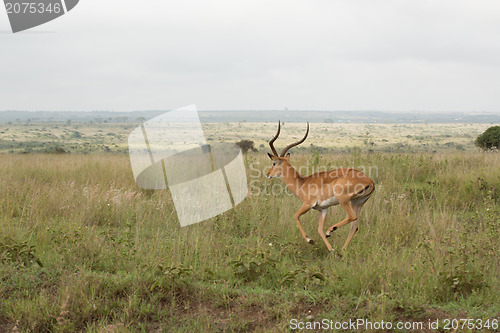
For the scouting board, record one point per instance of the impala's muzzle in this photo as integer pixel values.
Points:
(270, 174)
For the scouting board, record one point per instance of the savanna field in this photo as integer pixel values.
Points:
(82, 248)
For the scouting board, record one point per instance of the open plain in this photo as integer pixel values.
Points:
(82, 248)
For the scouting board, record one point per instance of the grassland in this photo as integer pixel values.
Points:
(340, 137)
(83, 249)
(327, 137)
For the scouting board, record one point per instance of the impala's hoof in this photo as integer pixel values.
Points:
(310, 241)
(328, 233)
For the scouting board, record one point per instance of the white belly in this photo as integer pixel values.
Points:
(327, 203)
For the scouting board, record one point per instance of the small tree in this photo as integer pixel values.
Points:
(490, 139)
(246, 145)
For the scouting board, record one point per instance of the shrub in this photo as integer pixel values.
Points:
(55, 150)
(20, 253)
(252, 264)
(490, 139)
(246, 145)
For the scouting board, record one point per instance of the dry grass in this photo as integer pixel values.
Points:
(335, 137)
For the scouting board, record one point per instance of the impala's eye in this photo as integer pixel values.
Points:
(274, 163)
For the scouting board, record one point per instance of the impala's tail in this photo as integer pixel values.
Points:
(366, 192)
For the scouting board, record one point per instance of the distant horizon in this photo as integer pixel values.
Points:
(250, 116)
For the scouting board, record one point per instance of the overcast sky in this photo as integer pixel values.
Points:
(238, 55)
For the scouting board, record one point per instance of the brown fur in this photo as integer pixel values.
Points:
(348, 187)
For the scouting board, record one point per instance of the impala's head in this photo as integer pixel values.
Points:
(281, 161)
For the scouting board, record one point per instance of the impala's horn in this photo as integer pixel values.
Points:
(296, 143)
(271, 143)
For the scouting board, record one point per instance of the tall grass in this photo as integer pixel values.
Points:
(82, 248)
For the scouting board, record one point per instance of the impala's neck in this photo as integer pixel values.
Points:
(292, 178)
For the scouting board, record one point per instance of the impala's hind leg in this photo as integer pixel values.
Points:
(356, 205)
(354, 228)
(351, 216)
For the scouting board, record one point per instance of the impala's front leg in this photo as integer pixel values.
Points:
(321, 229)
(304, 209)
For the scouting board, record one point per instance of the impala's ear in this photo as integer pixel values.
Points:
(270, 156)
(287, 156)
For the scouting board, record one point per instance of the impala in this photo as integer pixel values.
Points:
(348, 187)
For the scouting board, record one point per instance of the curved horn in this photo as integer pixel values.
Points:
(296, 143)
(271, 143)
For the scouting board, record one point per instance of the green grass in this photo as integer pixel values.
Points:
(83, 249)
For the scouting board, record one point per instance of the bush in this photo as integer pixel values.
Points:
(490, 139)
(252, 264)
(19, 253)
(246, 145)
(55, 150)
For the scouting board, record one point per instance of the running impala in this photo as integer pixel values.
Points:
(348, 187)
